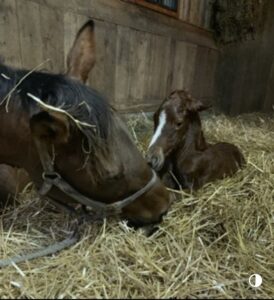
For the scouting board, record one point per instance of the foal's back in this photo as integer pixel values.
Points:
(220, 160)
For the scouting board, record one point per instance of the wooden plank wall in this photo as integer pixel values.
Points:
(141, 55)
(245, 76)
(196, 12)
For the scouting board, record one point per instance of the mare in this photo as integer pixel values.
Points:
(73, 144)
(179, 146)
(12, 182)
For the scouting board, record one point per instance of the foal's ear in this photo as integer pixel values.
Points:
(81, 57)
(52, 127)
(196, 105)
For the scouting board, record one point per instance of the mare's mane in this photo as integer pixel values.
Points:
(83, 103)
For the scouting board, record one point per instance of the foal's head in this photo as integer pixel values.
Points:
(171, 122)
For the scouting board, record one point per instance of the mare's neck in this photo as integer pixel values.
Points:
(125, 151)
(14, 136)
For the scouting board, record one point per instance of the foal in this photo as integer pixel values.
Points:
(178, 145)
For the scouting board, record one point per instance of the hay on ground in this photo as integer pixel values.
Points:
(208, 245)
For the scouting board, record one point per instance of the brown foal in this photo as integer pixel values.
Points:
(179, 146)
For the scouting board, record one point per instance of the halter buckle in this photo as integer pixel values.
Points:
(50, 176)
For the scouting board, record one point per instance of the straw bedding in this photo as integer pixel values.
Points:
(208, 245)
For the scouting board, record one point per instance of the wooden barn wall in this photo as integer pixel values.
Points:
(245, 76)
(196, 12)
(141, 55)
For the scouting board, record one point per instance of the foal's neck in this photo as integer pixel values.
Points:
(194, 138)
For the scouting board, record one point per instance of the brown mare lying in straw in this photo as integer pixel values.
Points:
(178, 145)
(73, 144)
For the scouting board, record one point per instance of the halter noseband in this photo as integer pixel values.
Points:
(52, 178)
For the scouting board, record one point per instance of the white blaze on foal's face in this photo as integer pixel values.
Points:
(159, 129)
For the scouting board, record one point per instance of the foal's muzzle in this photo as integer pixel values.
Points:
(156, 159)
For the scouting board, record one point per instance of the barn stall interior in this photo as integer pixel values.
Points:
(212, 240)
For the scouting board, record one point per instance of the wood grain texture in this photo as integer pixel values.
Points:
(196, 12)
(203, 84)
(139, 43)
(28, 14)
(122, 70)
(184, 65)
(52, 34)
(158, 68)
(244, 81)
(9, 33)
(130, 15)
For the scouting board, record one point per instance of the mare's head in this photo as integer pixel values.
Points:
(87, 142)
(171, 122)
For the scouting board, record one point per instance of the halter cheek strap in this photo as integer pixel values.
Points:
(52, 178)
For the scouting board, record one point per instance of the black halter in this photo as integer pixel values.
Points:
(52, 178)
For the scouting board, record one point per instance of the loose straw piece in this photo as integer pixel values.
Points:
(48, 107)
(5, 76)
(19, 82)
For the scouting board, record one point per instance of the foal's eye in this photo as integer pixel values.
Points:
(179, 124)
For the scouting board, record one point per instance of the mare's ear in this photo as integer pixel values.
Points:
(81, 57)
(196, 105)
(52, 127)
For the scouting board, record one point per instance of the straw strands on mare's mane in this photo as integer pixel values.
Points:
(73, 145)
(178, 149)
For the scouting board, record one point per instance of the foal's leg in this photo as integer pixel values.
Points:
(169, 181)
(166, 175)
(190, 171)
